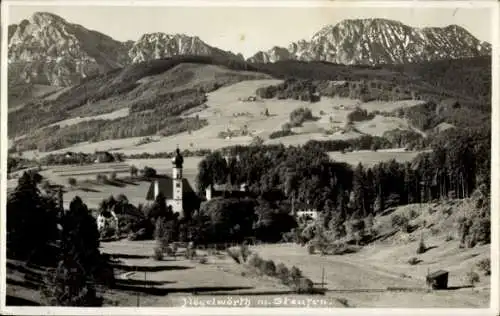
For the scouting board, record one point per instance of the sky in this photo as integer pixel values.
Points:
(247, 30)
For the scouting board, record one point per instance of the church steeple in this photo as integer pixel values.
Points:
(177, 162)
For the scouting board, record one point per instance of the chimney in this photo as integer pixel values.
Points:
(157, 188)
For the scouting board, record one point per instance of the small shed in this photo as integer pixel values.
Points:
(438, 280)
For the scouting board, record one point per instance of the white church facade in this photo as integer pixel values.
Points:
(177, 191)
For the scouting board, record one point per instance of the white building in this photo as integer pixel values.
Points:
(176, 189)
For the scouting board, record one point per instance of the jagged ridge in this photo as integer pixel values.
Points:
(379, 41)
(47, 49)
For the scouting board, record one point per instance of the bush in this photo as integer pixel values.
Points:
(132, 236)
(174, 249)
(190, 254)
(359, 115)
(68, 285)
(72, 182)
(161, 234)
(472, 278)
(310, 249)
(234, 254)
(401, 222)
(268, 268)
(133, 171)
(413, 214)
(169, 251)
(255, 260)
(203, 260)
(295, 274)
(480, 230)
(484, 266)
(304, 286)
(421, 246)
(148, 172)
(282, 133)
(286, 127)
(113, 175)
(282, 273)
(245, 252)
(158, 254)
(342, 248)
(413, 261)
(300, 115)
(101, 178)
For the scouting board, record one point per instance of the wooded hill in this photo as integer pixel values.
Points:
(155, 106)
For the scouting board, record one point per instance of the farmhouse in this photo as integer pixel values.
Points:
(178, 192)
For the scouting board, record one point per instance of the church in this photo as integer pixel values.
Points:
(177, 190)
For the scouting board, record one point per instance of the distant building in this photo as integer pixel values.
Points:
(308, 214)
(304, 211)
(227, 191)
(103, 157)
(107, 221)
(178, 192)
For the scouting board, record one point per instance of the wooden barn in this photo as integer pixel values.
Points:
(438, 280)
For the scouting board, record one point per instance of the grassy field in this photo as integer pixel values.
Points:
(361, 277)
(142, 281)
(370, 158)
(355, 280)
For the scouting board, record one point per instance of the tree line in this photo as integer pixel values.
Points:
(42, 233)
(458, 164)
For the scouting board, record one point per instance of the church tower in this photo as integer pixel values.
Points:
(177, 162)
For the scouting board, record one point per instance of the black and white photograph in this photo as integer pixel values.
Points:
(262, 155)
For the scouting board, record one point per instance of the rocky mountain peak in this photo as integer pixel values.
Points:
(376, 40)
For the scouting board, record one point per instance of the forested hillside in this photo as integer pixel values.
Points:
(157, 91)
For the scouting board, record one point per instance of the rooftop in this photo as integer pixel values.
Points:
(437, 274)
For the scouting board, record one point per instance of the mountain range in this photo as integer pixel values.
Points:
(47, 49)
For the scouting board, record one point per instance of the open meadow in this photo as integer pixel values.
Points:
(374, 277)
(233, 120)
